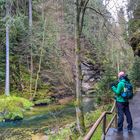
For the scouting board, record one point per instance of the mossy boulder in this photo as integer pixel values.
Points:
(43, 101)
(12, 108)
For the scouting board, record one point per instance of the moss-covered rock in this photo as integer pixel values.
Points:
(12, 108)
(43, 101)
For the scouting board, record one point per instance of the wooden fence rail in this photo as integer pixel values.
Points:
(103, 119)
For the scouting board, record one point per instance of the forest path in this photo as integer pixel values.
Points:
(135, 111)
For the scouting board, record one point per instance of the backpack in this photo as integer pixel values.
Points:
(128, 91)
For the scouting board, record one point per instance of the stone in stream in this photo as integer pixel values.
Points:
(39, 136)
(66, 100)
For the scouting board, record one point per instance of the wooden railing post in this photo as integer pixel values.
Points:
(104, 128)
(115, 121)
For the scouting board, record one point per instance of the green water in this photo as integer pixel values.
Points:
(49, 116)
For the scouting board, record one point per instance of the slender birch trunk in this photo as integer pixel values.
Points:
(30, 14)
(30, 35)
(7, 79)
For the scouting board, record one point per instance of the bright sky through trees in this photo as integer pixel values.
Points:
(114, 6)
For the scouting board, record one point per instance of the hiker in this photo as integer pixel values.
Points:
(122, 103)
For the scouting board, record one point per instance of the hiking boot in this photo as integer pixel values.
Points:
(118, 131)
(129, 130)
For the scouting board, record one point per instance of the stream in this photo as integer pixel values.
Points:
(40, 116)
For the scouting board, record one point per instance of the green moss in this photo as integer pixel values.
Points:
(43, 101)
(25, 103)
(11, 107)
(61, 135)
(13, 115)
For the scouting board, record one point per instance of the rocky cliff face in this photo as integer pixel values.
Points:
(65, 40)
(91, 74)
(90, 66)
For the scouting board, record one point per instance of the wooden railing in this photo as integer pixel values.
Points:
(103, 119)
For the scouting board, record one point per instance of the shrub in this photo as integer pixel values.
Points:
(12, 108)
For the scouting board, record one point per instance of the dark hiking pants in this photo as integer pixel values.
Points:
(123, 108)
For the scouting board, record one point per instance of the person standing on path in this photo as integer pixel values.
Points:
(122, 103)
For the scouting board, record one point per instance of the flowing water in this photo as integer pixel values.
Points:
(41, 116)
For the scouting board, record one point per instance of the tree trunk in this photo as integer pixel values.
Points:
(40, 60)
(30, 14)
(80, 11)
(30, 35)
(118, 62)
(79, 109)
(7, 85)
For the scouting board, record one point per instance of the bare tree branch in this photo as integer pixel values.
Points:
(83, 14)
(98, 12)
